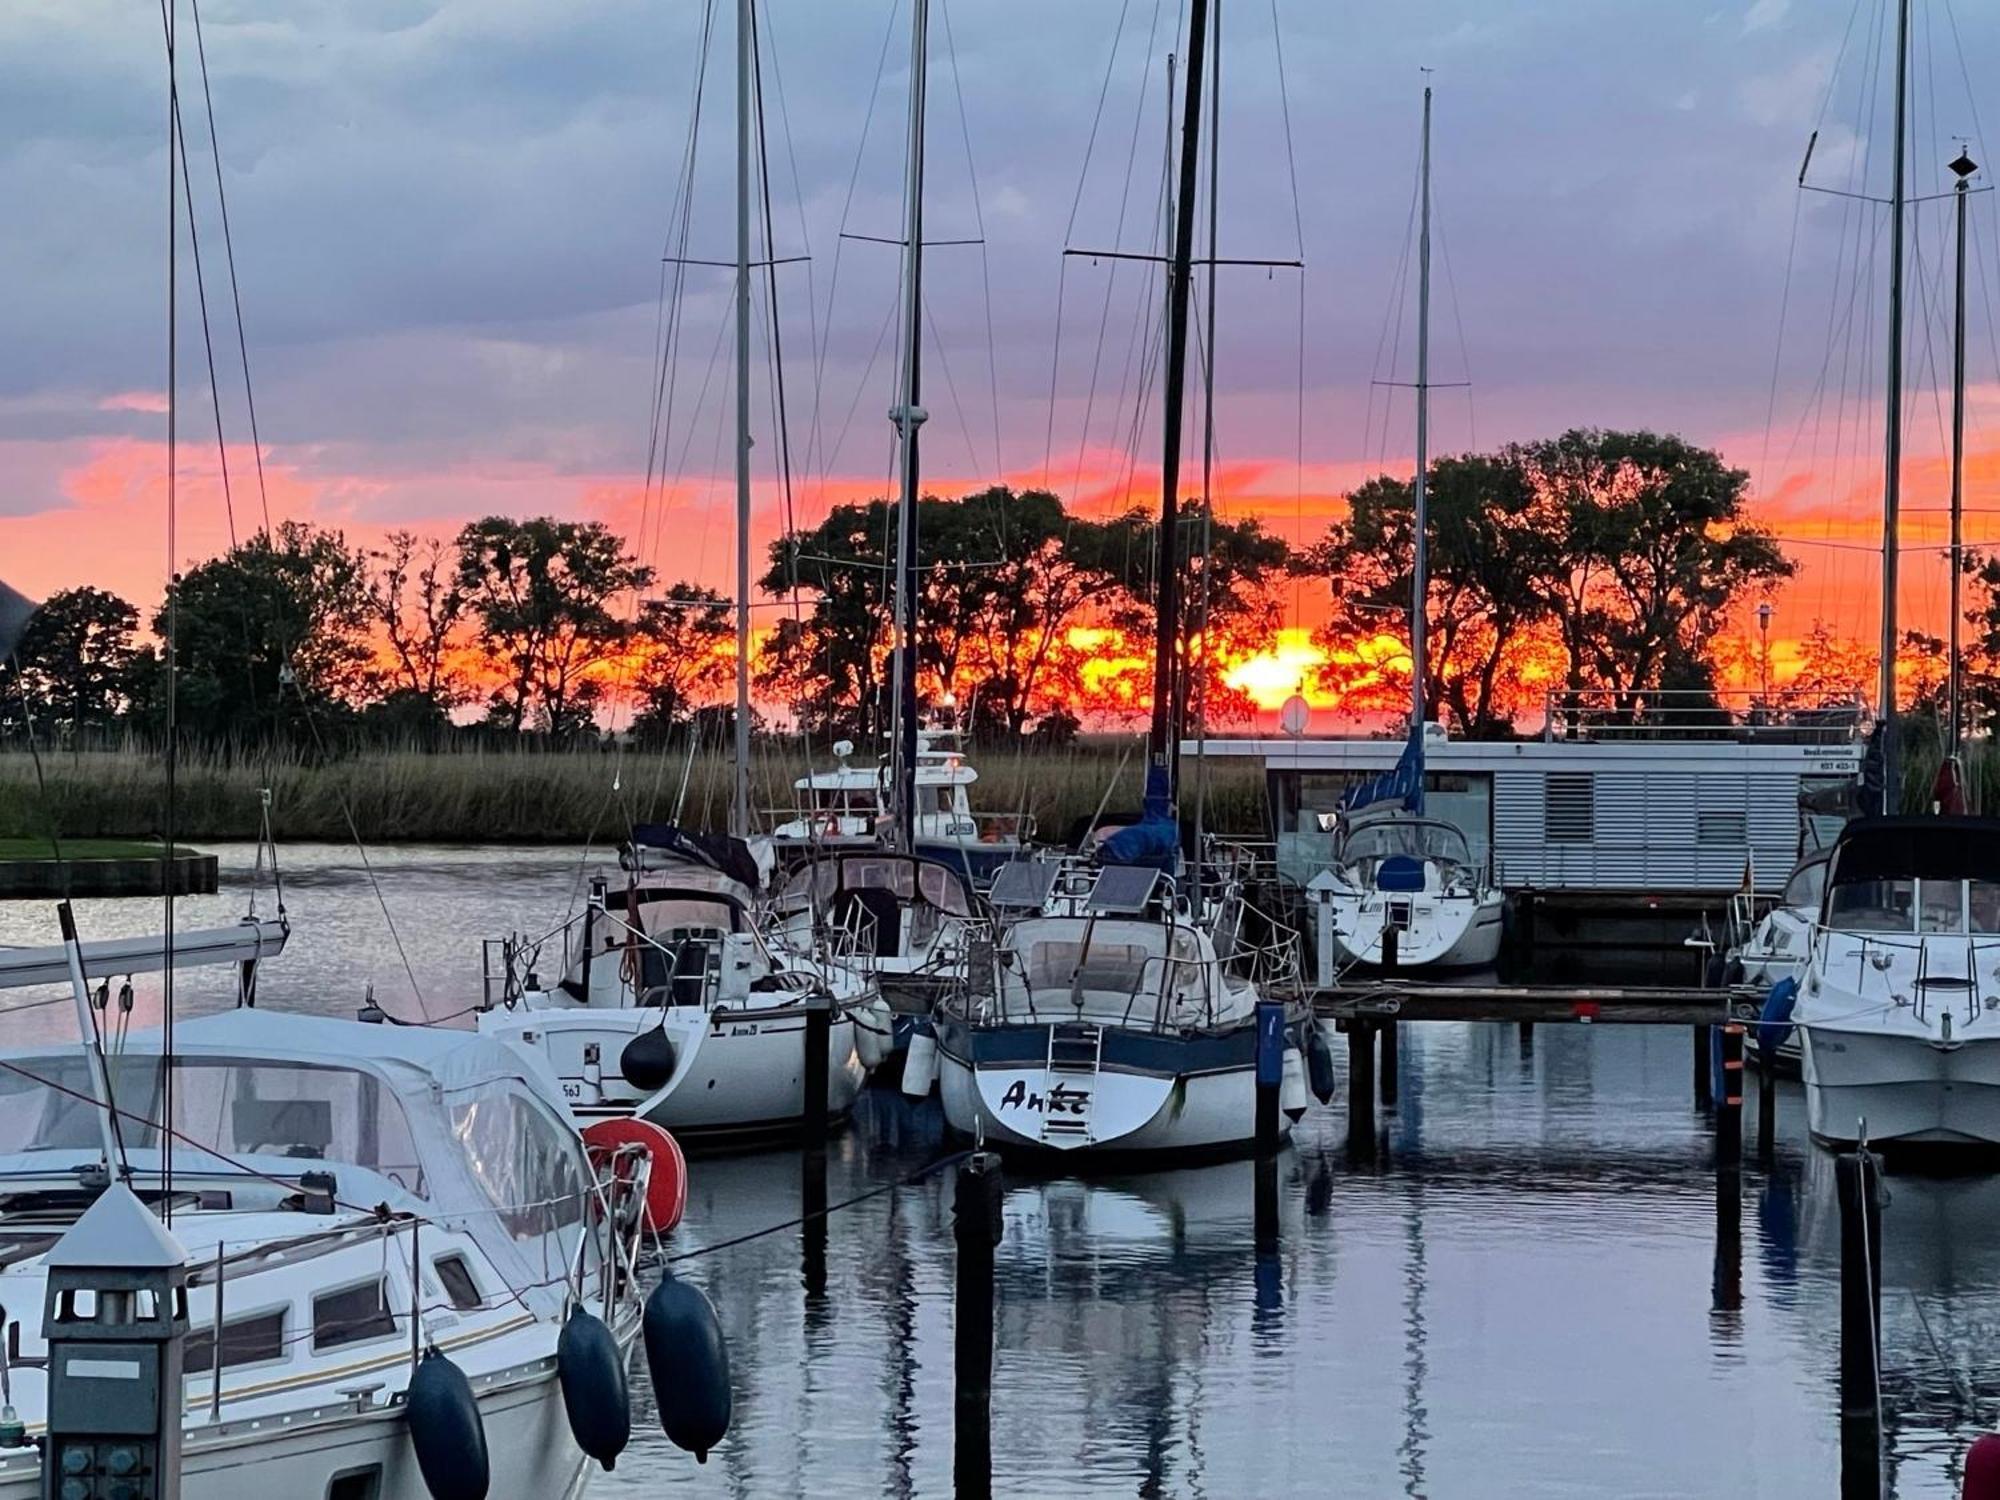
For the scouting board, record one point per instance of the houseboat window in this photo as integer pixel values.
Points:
(1722, 825)
(245, 1341)
(232, 1106)
(1569, 807)
(456, 1277)
(352, 1315)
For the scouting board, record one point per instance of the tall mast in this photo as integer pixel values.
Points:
(1420, 571)
(1892, 461)
(908, 415)
(1161, 741)
(1964, 167)
(739, 808)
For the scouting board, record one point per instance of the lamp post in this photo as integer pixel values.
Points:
(1764, 612)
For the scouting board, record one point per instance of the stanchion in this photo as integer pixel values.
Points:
(817, 1077)
(1729, 1106)
(1857, 1182)
(976, 1227)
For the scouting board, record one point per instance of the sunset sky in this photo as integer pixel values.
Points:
(448, 217)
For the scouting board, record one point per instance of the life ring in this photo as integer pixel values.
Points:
(666, 1184)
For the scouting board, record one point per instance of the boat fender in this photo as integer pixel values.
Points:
(592, 1374)
(1774, 1024)
(1319, 1062)
(689, 1364)
(667, 1178)
(874, 1031)
(445, 1430)
(1982, 1469)
(1292, 1091)
(920, 1063)
(648, 1060)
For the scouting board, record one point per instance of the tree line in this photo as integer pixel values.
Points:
(1610, 561)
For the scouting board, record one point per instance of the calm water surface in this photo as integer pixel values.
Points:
(1525, 1295)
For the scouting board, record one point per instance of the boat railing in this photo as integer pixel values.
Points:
(1787, 716)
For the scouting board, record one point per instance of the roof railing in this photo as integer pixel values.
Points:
(1786, 716)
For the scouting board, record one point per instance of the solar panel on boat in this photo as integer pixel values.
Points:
(1122, 890)
(1023, 885)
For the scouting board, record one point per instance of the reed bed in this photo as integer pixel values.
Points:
(523, 795)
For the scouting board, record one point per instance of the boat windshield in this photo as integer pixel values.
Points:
(1920, 906)
(1407, 836)
(905, 879)
(233, 1107)
(685, 912)
(1806, 887)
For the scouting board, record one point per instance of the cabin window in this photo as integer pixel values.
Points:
(1569, 809)
(352, 1316)
(245, 1341)
(458, 1283)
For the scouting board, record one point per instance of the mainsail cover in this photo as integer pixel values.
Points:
(1153, 842)
(1402, 782)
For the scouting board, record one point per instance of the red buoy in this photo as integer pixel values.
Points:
(666, 1184)
(1982, 1469)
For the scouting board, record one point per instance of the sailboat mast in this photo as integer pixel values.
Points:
(1166, 575)
(1420, 570)
(1892, 461)
(908, 415)
(1964, 167)
(739, 807)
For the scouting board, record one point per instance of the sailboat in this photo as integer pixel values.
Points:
(670, 1002)
(1404, 888)
(1102, 1018)
(1899, 1011)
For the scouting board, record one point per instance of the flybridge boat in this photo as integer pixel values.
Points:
(328, 1177)
(1102, 1018)
(848, 807)
(673, 1006)
(1899, 1010)
(1404, 887)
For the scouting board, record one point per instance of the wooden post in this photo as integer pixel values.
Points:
(1729, 1112)
(976, 1227)
(1361, 1086)
(1857, 1182)
(1270, 1073)
(817, 1075)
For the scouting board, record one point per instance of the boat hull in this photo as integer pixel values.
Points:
(529, 1446)
(1908, 1090)
(1452, 934)
(1152, 1093)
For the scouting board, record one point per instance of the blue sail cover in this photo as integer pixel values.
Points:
(1403, 782)
(1155, 840)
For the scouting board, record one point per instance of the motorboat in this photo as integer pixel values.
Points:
(906, 920)
(1404, 888)
(1897, 1011)
(331, 1181)
(1102, 1019)
(1773, 946)
(849, 807)
(673, 1004)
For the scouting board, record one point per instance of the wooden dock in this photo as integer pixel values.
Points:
(1382, 998)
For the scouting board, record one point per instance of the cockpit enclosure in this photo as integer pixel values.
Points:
(904, 877)
(1915, 876)
(1391, 853)
(1119, 971)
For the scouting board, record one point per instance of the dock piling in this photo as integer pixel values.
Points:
(1270, 1073)
(817, 1075)
(976, 1198)
(1527, 1040)
(1857, 1181)
(812, 1225)
(1704, 1082)
(1729, 1110)
(1361, 1087)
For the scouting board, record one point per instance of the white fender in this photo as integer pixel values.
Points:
(920, 1064)
(1292, 1094)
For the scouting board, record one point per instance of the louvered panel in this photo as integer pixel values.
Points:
(1517, 829)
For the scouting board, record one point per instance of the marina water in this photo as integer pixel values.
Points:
(1527, 1292)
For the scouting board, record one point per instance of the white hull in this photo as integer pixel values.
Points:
(739, 1073)
(1908, 1088)
(1445, 932)
(1125, 1112)
(528, 1442)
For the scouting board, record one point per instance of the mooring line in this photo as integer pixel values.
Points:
(832, 1208)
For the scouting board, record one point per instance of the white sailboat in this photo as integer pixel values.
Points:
(671, 1003)
(1404, 888)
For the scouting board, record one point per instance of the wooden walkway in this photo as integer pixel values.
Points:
(1382, 999)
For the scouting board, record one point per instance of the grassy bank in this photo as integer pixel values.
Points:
(519, 796)
(47, 848)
